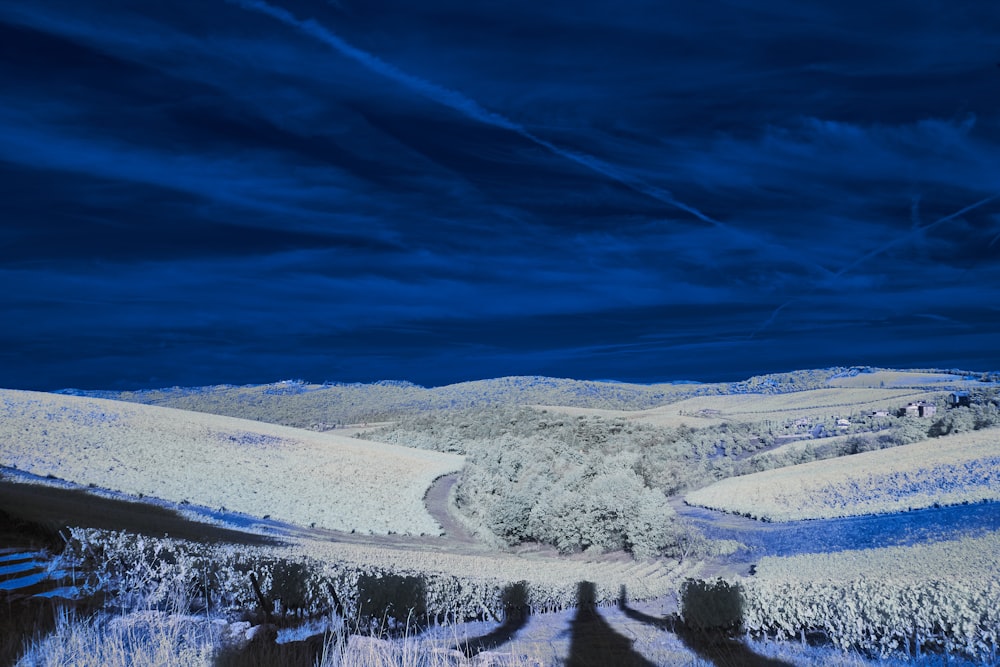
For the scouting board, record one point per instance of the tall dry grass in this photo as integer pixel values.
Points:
(158, 639)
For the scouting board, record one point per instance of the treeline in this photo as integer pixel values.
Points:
(330, 404)
(573, 482)
(579, 482)
(983, 412)
(671, 460)
(543, 490)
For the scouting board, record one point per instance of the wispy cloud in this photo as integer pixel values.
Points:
(468, 188)
(876, 252)
(468, 107)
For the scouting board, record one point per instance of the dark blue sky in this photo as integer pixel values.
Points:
(206, 191)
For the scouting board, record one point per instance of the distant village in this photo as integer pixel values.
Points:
(924, 409)
(808, 428)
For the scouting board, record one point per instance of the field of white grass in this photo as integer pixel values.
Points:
(967, 559)
(890, 379)
(259, 469)
(949, 470)
(703, 411)
(322, 407)
(667, 416)
(894, 600)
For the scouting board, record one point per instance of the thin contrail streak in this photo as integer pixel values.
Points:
(469, 107)
(770, 320)
(900, 239)
(475, 111)
(878, 251)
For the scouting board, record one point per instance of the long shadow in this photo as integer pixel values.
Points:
(515, 607)
(391, 605)
(594, 643)
(266, 653)
(30, 619)
(666, 623)
(25, 619)
(715, 646)
(723, 650)
(54, 507)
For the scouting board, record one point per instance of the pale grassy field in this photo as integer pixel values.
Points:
(970, 558)
(667, 416)
(947, 470)
(890, 379)
(711, 410)
(260, 469)
(887, 601)
(319, 407)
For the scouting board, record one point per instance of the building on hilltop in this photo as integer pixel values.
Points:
(959, 398)
(918, 409)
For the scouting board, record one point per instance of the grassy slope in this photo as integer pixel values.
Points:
(892, 379)
(970, 558)
(297, 403)
(322, 406)
(704, 411)
(290, 474)
(947, 470)
(884, 601)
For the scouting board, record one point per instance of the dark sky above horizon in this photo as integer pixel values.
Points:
(245, 191)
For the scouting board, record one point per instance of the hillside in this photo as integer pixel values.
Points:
(816, 404)
(952, 469)
(290, 474)
(328, 405)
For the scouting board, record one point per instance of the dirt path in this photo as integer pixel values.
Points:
(436, 500)
(57, 503)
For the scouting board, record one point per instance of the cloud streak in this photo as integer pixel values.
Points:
(915, 231)
(468, 107)
(440, 191)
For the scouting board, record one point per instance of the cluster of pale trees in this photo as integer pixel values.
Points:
(602, 483)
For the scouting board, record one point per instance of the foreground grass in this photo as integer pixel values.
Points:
(949, 470)
(259, 469)
(154, 639)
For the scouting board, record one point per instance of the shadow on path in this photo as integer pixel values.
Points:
(712, 645)
(593, 642)
(54, 507)
(304, 653)
(515, 607)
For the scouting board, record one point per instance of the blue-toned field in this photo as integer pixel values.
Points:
(566, 529)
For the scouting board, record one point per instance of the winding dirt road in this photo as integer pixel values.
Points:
(438, 506)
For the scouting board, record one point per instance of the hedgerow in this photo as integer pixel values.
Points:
(900, 600)
(311, 580)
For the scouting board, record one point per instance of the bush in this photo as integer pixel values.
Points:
(544, 491)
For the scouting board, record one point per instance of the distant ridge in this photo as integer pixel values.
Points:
(331, 404)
